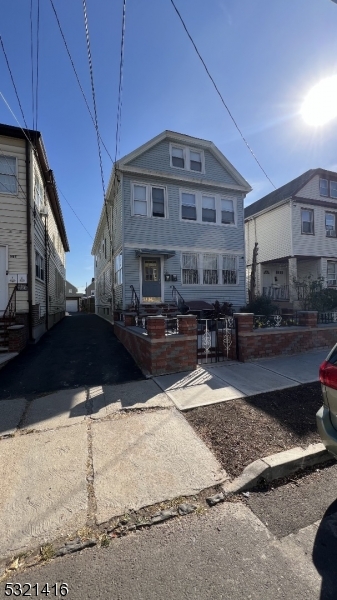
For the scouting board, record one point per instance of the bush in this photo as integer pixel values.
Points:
(323, 300)
(226, 308)
(261, 305)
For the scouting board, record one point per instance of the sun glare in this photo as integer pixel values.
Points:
(320, 105)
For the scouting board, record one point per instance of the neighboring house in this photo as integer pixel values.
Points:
(295, 228)
(33, 239)
(73, 298)
(90, 289)
(175, 211)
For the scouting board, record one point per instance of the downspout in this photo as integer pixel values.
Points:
(29, 244)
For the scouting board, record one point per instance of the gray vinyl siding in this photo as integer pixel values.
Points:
(147, 231)
(308, 268)
(158, 159)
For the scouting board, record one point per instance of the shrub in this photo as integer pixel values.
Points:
(226, 308)
(323, 300)
(261, 305)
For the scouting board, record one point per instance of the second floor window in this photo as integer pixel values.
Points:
(139, 200)
(227, 212)
(307, 217)
(208, 209)
(330, 224)
(158, 202)
(8, 181)
(39, 266)
(188, 206)
(149, 201)
(203, 208)
(38, 192)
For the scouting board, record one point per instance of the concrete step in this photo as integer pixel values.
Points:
(3, 348)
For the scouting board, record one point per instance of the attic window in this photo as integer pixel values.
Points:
(189, 159)
(324, 187)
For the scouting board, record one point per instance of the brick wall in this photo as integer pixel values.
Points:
(264, 343)
(17, 338)
(155, 353)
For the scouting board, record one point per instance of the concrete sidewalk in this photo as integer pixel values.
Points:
(219, 382)
(80, 456)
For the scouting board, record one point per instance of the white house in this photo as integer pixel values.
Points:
(295, 228)
(175, 212)
(33, 239)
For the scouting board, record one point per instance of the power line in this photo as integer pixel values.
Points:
(13, 82)
(76, 215)
(76, 75)
(95, 113)
(219, 93)
(37, 62)
(32, 57)
(120, 87)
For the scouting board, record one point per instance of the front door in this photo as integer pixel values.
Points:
(3, 280)
(151, 288)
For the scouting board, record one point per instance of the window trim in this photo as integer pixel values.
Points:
(198, 204)
(41, 260)
(200, 268)
(149, 201)
(187, 160)
(15, 175)
(313, 221)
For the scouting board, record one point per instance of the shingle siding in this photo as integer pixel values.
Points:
(272, 231)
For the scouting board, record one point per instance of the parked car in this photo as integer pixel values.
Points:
(327, 415)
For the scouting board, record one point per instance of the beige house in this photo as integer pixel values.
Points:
(295, 228)
(33, 239)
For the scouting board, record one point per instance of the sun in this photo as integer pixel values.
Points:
(320, 105)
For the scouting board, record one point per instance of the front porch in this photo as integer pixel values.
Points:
(280, 280)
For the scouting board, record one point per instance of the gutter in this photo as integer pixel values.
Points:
(29, 244)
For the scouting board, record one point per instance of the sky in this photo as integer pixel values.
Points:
(264, 55)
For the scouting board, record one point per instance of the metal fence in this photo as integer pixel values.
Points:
(327, 317)
(171, 324)
(263, 321)
(214, 339)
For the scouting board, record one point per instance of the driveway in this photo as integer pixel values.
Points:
(81, 350)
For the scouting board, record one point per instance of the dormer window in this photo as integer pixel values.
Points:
(327, 188)
(189, 159)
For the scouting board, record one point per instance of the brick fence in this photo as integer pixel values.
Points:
(157, 353)
(264, 343)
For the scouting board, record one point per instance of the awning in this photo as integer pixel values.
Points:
(155, 252)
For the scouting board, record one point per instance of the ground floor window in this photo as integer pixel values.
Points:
(209, 269)
(331, 273)
(190, 274)
(39, 266)
(118, 269)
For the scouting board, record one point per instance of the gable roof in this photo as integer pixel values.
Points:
(181, 138)
(284, 192)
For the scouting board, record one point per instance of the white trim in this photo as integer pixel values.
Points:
(198, 202)
(162, 288)
(173, 177)
(148, 199)
(187, 158)
(134, 245)
(15, 175)
(180, 138)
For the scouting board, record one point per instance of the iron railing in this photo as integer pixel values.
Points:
(277, 293)
(263, 321)
(327, 317)
(214, 339)
(10, 310)
(134, 300)
(177, 298)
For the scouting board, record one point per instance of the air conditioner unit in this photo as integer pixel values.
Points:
(43, 211)
(331, 233)
(332, 282)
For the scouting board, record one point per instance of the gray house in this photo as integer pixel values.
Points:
(172, 220)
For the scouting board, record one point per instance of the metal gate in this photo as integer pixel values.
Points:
(214, 339)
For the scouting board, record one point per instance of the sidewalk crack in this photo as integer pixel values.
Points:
(92, 503)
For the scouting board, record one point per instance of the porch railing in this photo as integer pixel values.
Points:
(10, 310)
(327, 317)
(171, 324)
(134, 299)
(277, 293)
(177, 298)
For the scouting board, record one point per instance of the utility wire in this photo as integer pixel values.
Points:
(76, 215)
(219, 93)
(13, 82)
(120, 87)
(76, 75)
(37, 63)
(95, 114)
(32, 58)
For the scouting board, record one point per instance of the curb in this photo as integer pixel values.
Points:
(277, 466)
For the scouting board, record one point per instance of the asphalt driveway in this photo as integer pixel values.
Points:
(81, 350)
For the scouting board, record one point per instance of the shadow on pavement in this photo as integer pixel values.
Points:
(81, 350)
(325, 553)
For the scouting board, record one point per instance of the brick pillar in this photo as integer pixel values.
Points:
(244, 322)
(308, 318)
(16, 338)
(187, 324)
(156, 327)
(129, 320)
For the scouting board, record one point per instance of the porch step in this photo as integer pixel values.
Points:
(3, 348)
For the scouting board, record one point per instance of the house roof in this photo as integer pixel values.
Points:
(74, 293)
(285, 191)
(36, 141)
(187, 140)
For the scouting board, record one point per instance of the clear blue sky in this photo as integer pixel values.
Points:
(264, 55)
